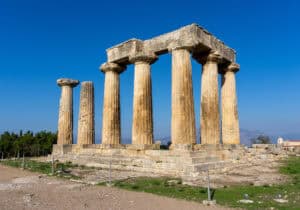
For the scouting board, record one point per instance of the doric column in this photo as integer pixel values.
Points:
(210, 115)
(230, 119)
(111, 124)
(142, 124)
(65, 119)
(86, 123)
(183, 115)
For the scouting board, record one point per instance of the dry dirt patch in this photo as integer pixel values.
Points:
(25, 190)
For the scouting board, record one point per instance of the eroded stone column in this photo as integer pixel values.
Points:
(111, 124)
(210, 115)
(142, 125)
(230, 119)
(65, 119)
(86, 123)
(183, 115)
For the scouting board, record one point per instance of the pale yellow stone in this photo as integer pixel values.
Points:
(142, 125)
(86, 124)
(183, 116)
(230, 119)
(111, 128)
(210, 116)
(65, 119)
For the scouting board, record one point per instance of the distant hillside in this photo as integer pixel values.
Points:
(246, 136)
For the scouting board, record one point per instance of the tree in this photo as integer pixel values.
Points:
(27, 143)
(261, 139)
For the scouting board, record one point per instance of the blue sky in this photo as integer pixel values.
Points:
(41, 41)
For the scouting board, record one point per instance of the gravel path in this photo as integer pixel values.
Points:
(26, 190)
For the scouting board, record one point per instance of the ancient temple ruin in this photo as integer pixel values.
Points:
(184, 44)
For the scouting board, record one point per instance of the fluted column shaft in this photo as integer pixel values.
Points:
(183, 115)
(210, 115)
(65, 120)
(142, 125)
(230, 119)
(111, 124)
(86, 123)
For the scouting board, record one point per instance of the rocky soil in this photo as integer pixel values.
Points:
(26, 190)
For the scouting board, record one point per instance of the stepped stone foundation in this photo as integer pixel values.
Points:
(227, 164)
(185, 157)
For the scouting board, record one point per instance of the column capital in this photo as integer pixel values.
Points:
(143, 57)
(108, 66)
(173, 47)
(67, 82)
(212, 56)
(233, 67)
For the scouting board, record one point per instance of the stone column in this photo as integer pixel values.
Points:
(86, 123)
(210, 115)
(230, 119)
(65, 120)
(142, 125)
(111, 124)
(183, 115)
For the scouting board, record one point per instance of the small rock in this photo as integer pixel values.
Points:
(173, 182)
(93, 183)
(27, 198)
(279, 200)
(209, 203)
(245, 201)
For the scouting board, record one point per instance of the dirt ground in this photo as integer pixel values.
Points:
(26, 190)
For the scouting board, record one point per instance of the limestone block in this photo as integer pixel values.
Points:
(191, 36)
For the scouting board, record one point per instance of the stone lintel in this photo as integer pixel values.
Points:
(191, 37)
(67, 82)
(112, 67)
(121, 52)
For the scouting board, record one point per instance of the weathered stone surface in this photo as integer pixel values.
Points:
(86, 123)
(105, 67)
(228, 164)
(65, 119)
(111, 128)
(230, 119)
(210, 116)
(67, 82)
(142, 125)
(183, 115)
(190, 36)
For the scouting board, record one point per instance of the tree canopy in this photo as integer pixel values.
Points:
(261, 139)
(28, 143)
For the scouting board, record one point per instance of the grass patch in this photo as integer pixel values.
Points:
(263, 196)
(61, 169)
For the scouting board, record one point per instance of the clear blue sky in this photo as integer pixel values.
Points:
(41, 41)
